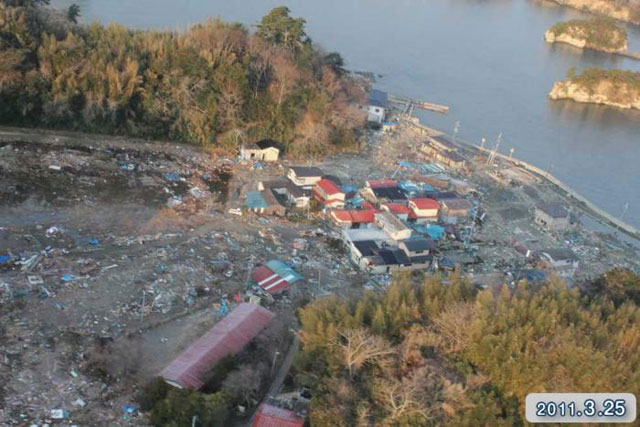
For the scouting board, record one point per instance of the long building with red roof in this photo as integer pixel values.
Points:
(228, 337)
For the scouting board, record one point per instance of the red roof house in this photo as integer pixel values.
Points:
(329, 194)
(424, 208)
(273, 416)
(382, 183)
(398, 209)
(347, 218)
(227, 337)
(268, 280)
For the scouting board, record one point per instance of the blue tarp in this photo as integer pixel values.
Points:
(255, 200)
(409, 186)
(349, 189)
(67, 278)
(4, 258)
(434, 231)
(171, 176)
(284, 271)
(406, 165)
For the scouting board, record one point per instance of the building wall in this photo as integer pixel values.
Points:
(307, 181)
(396, 233)
(424, 214)
(270, 154)
(376, 114)
(250, 154)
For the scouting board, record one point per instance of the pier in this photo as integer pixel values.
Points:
(412, 104)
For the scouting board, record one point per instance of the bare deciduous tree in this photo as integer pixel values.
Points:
(359, 348)
(413, 397)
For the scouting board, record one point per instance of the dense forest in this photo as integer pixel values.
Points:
(591, 77)
(598, 33)
(437, 351)
(214, 84)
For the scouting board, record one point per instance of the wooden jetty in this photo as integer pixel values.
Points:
(412, 104)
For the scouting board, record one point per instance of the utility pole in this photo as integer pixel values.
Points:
(397, 169)
(273, 364)
(511, 153)
(249, 268)
(456, 128)
(495, 149)
(625, 208)
(482, 143)
(549, 169)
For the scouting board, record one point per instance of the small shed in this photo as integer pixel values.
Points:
(266, 150)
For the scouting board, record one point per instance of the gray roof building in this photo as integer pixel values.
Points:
(378, 98)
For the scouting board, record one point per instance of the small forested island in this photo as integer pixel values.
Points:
(616, 88)
(622, 10)
(598, 34)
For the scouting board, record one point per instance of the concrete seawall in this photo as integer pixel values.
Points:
(571, 195)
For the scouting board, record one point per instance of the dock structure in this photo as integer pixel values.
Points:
(581, 202)
(412, 104)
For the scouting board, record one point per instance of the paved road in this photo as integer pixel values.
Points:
(284, 368)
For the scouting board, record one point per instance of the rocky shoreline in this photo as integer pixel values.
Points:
(604, 8)
(600, 34)
(605, 92)
(580, 42)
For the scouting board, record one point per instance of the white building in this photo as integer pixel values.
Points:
(264, 151)
(392, 226)
(378, 106)
(304, 176)
(564, 261)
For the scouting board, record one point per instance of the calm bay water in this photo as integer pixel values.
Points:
(487, 60)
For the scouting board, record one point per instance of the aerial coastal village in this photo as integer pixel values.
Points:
(219, 226)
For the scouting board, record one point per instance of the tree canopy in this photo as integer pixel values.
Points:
(438, 351)
(214, 84)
